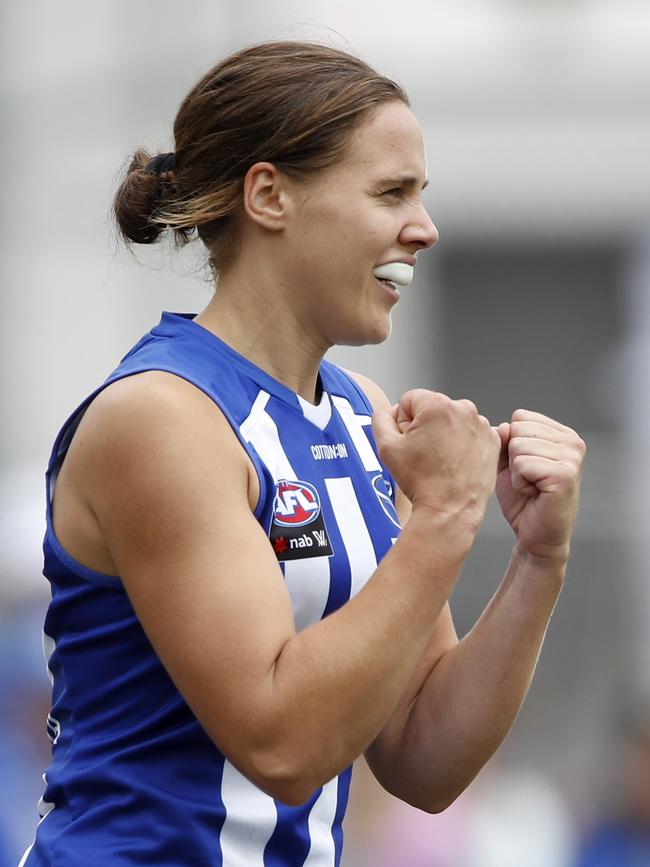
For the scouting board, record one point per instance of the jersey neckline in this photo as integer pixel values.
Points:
(318, 414)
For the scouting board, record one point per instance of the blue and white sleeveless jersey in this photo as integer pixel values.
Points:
(134, 779)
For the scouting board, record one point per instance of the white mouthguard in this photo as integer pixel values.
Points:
(395, 272)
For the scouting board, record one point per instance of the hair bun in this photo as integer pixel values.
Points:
(162, 163)
(138, 197)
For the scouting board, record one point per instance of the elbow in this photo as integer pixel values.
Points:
(293, 793)
(282, 778)
(440, 800)
(290, 790)
(429, 797)
(434, 807)
(278, 760)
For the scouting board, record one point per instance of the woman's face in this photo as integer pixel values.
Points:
(361, 213)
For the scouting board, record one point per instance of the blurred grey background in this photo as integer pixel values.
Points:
(537, 127)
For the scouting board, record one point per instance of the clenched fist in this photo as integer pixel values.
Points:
(538, 482)
(441, 452)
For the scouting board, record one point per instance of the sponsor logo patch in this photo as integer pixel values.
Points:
(384, 492)
(298, 527)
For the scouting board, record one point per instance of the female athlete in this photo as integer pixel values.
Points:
(236, 615)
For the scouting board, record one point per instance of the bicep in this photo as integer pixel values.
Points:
(171, 497)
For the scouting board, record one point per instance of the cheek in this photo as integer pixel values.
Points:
(337, 245)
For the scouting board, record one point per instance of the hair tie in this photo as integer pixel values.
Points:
(161, 164)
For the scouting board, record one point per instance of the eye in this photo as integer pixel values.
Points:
(395, 191)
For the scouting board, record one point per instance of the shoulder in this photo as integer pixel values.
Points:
(156, 399)
(152, 425)
(376, 396)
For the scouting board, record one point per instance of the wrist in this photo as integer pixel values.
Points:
(547, 558)
(465, 519)
(448, 528)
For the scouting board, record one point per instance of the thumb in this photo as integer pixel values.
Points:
(503, 431)
(403, 418)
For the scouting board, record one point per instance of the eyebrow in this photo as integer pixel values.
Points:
(402, 180)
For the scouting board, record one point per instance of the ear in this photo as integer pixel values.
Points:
(265, 196)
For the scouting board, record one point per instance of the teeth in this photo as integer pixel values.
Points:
(395, 272)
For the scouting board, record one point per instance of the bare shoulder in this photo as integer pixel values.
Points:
(150, 394)
(152, 423)
(376, 395)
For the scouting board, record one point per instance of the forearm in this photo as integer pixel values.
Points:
(335, 683)
(471, 697)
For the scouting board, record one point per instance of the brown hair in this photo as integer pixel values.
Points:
(294, 104)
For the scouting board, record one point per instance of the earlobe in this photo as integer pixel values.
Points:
(265, 196)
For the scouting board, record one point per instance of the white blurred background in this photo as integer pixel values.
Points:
(536, 115)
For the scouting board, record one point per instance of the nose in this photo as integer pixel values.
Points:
(420, 231)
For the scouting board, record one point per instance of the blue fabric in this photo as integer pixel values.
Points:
(616, 845)
(134, 778)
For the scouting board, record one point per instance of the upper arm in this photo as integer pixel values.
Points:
(385, 748)
(168, 481)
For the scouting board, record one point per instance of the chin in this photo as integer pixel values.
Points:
(369, 336)
(382, 331)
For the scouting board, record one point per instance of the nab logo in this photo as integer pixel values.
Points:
(296, 504)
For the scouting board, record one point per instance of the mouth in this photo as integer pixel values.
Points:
(389, 287)
(399, 273)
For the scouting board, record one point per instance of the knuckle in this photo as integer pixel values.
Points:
(573, 468)
(421, 397)
(515, 445)
(467, 406)
(434, 403)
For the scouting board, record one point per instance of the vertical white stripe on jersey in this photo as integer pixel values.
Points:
(353, 530)
(354, 426)
(251, 817)
(44, 809)
(322, 850)
(260, 430)
(308, 580)
(258, 406)
(308, 583)
(23, 860)
(48, 649)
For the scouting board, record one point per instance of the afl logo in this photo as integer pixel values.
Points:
(384, 491)
(296, 503)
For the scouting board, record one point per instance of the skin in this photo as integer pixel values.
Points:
(320, 240)
(132, 499)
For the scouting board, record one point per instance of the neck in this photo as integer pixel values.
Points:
(260, 321)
